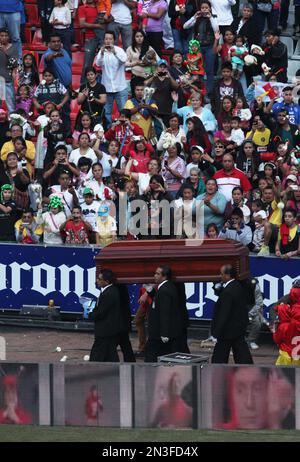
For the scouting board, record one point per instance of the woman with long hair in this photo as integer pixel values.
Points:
(19, 178)
(29, 74)
(84, 124)
(196, 135)
(173, 170)
(138, 53)
(248, 161)
(227, 107)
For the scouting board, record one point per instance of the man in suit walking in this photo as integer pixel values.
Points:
(165, 319)
(107, 317)
(230, 320)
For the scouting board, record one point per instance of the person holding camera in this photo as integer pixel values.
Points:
(60, 164)
(112, 59)
(122, 130)
(92, 97)
(234, 228)
(65, 191)
(259, 135)
(27, 230)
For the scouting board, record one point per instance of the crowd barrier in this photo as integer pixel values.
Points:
(149, 396)
(33, 275)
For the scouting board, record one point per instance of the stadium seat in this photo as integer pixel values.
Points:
(28, 38)
(33, 19)
(296, 54)
(76, 81)
(37, 42)
(77, 62)
(293, 67)
(74, 111)
(289, 42)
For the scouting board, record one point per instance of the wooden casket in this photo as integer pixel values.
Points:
(136, 261)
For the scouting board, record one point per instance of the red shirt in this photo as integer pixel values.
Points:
(76, 233)
(227, 181)
(89, 14)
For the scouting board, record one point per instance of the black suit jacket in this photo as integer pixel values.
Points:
(230, 318)
(249, 30)
(165, 318)
(107, 314)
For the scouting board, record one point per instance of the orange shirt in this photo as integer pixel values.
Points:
(104, 5)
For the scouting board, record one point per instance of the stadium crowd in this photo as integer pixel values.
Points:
(205, 112)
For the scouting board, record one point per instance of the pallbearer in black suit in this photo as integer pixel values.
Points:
(165, 319)
(107, 317)
(230, 320)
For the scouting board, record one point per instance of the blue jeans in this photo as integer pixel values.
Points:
(120, 97)
(12, 22)
(10, 97)
(180, 43)
(209, 63)
(66, 36)
(125, 30)
(90, 47)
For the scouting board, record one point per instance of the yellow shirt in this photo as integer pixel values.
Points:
(276, 217)
(292, 233)
(140, 120)
(106, 228)
(30, 153)
(260, 138)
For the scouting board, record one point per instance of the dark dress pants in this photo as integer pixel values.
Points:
(126, 347)
(155, 348)
(240, 349)
(104, 349)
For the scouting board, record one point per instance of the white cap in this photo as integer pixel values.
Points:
(262, 214)
(292, 178)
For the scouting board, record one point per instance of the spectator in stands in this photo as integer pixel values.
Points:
(90, 209)
(65, 191)
(84, 150)
(17, 132)
(194, 182)
(214, 204)
(10, 19)
(196, 135)
(288, 104)
(239, 201)
(87, 15)
(27, 230)
(142, 111)
(20, 149)
(138, 54)
(52, 221)
(247, 160)
(293, 201)
(201, 160)
(113, 164)
(44, 9)
(75, 229)
(61, 21)
(164, 84)
(173, 170)
(54, 133)
(122, 23)
(211, 231)
(8, 68)
(156, 12)
(122, 130)
(276, 55)
(92, 97)
(112, 59)
(205, 26)
(235, 229)
(285, 132)
(101, 191)
(226, 86)
(180, 12)
(84, 125)
(58, 61)
(61, 164)
(270, 199)
(29, 74)
(141, 152)
(143, 179)
(173, 128)
(106, 228)
(8, 214)
(195, 108)
(288, 242)
(229, 177)
(245, 25)
(260, 135)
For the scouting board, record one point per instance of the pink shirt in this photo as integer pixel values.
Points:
(156, 25)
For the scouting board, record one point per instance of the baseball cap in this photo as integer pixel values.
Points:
(262, 214)
(292, 178)
(87, 191)
(162, 62)
(199, 148)
(103, 211)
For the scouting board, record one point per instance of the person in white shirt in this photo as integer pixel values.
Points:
(112, 59)
(90, 208)
(237, 134)
(52, 221)
(61, 20)
(65, 191)
(222, 9)
(121, 12)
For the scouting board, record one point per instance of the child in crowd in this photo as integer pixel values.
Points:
(259, 218)
(237, 54)
(106, 227)
(194, 60)
(52, 220)
(288, 242)
(237, 134)
(212, 231)
(24, 98)
(8, 214)
(90, 209)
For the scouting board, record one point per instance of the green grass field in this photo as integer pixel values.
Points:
(9, 433)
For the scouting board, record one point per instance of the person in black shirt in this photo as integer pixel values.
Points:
(8, 215)
(59, 165)
(92, 97)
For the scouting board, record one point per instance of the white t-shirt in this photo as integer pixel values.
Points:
(222, 8)
(75, 156)
(106, 165)
(121, 12)
(99, 189)
(144, 180)
(90, 213)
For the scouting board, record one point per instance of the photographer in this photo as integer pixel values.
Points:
(164, 84)
(59, 165)
(122, 130)
(235, 229)
(27, 230)
(112, 59)
(92, 97)
(65, 191)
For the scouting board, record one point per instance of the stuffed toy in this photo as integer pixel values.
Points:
(147, 95)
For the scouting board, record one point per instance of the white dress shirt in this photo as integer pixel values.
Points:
(113, 69)
(161, 284)
(228, 282)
